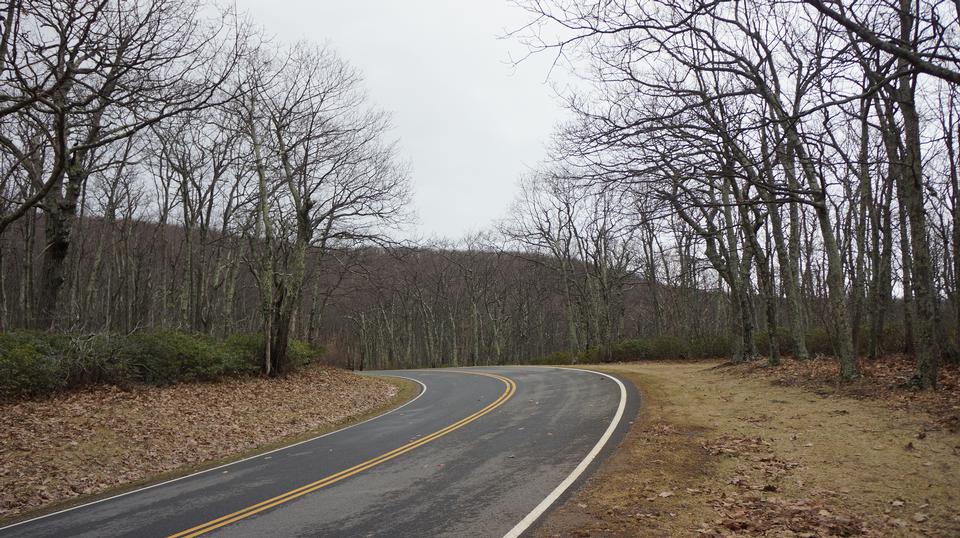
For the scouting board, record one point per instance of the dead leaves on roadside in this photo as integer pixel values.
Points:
(773, 516)
(87, 441)
(887, 379)
(754, 506)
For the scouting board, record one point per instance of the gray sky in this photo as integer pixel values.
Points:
(468, 122)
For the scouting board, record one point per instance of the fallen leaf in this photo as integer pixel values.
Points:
(151, 430)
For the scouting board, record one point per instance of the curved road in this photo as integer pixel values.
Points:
(480, 452)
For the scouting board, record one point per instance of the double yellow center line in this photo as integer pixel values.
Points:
(510, 388)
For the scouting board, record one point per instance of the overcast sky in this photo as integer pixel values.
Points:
(468, 121)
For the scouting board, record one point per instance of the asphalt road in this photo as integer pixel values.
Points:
(480, 452)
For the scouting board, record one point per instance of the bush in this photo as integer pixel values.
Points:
(630, 349)
(711, 347)
(164, 357)
(819, 341)
(662, 347)
(557, 357)
(302, 354)
(33, 363)
(654, 348)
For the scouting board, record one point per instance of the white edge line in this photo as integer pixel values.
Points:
(545, 504)
(165, 482)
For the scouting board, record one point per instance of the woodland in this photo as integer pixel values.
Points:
(751, 180)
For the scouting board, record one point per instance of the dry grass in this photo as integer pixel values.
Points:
(715, 453)
(91, 441)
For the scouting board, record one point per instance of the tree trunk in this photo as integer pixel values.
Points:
(280, 335)
(955, 214)
(925, 343)
(57, 227)
(837, 296)
(865, 191)
(881, 254)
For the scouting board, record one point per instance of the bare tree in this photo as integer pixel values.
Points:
(85, 74)
(324, 172)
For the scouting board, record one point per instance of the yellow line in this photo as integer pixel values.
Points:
(204, 528)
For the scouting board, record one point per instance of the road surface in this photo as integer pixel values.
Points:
(480, 452)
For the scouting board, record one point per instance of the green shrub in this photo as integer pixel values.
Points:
(669, 347)
(654, 348)
(35, 363)
(711, 347)
(629, 350)
(557, 357)
(819, 341)
(302, 354)
(31, 363)
(164, 357)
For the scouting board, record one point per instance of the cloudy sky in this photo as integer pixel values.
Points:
(468, 121)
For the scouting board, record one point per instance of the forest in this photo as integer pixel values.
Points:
(751, 180)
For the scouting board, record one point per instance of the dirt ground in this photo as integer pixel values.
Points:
(736, 451)
(105, 439)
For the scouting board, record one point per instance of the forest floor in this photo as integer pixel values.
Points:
(103, 440)
(787, 451)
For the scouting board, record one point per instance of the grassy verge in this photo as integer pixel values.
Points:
(64, 472)
(715, 454)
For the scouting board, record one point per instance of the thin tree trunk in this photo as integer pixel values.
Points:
(789, 278)
(837, 296)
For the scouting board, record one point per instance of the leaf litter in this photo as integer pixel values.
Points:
(91, 440)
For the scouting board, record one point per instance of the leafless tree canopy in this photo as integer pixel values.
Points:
(795, 140)
(155, 150)
(754, 177)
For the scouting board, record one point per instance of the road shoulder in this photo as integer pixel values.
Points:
(713, 454)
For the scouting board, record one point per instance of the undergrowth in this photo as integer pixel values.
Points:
(37, 363)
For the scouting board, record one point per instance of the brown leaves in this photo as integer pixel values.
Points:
(755, 515)
(90, 440)
(751, 508)
(886, 378)
(734, 446)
